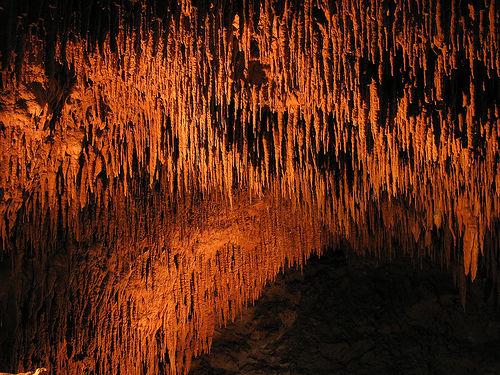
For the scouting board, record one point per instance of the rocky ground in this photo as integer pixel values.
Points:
(359, 316)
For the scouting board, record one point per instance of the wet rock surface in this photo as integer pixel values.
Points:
(360, 316)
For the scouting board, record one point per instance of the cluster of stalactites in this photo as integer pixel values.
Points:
(398, 94)
(377, 122)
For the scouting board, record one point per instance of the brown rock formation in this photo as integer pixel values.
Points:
(158, 167)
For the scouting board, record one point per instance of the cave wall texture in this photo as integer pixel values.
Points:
(160, 162)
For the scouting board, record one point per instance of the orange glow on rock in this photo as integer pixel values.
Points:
(156, 184)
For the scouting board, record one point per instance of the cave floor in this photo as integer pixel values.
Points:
(359, 316)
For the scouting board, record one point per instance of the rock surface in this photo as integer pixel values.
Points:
(161, 161)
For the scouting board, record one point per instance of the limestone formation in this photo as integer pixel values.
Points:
(160, 164)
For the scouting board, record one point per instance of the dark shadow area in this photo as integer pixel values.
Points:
(352, 315)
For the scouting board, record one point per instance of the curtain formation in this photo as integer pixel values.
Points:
(160, 165)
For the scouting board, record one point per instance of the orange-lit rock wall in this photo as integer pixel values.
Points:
(153, 180)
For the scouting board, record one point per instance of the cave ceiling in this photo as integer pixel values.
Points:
(160, 162)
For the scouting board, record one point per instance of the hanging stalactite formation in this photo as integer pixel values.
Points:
(159, 164)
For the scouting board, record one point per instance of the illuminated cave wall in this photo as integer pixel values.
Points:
(159, 163)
